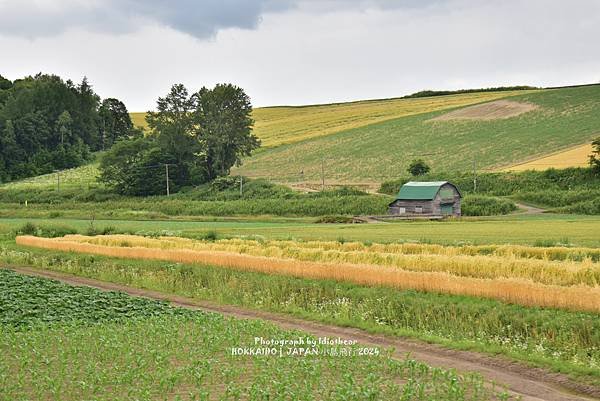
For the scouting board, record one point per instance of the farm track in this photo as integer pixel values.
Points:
(532, 384)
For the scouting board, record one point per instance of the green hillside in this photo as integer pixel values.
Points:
(563, 118)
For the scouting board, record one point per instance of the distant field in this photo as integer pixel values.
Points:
(561, 119)
(289, 124)
(79, 177)
(526, 230)
(575, 157)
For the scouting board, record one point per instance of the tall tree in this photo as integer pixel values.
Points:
(63, 126)
(173, 122)
(224, 128)
(115, 122)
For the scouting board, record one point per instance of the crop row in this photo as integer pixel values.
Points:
(553, 266)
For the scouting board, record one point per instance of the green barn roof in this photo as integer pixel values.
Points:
(414, 190)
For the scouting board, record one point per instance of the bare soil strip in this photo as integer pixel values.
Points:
(533, 384)
(488, 111)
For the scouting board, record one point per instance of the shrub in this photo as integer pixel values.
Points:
(486, 206)
(335, 219)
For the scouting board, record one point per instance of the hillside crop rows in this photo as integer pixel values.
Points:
(289, 124)
(376, 152)
(187, 356)
(562, 284)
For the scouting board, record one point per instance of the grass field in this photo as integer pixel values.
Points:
(83, 177)
(541, 230)
(95, 345)
(564, 118)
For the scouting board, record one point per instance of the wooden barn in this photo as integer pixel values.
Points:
(433, 198)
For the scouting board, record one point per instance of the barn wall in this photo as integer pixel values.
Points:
(430, 207)
(410, 206)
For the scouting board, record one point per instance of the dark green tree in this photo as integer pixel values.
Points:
(46, 124)
(200, 136)
(224, 128)
(5, 83)
(418, 167)
(595, 156)
(115, 122)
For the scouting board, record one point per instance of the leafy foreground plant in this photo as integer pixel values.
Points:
(189, 355)
(30, 301)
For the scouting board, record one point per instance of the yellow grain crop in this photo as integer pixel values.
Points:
(518, 291)
(491, 262)
(574, 157)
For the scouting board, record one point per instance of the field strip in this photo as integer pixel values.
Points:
(574, 157)
(531, 383)
(522, 292)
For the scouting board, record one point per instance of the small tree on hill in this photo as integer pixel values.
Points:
(595, 156)
(418, 167)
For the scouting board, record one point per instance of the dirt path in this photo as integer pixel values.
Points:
(532, 384)
(528, 209)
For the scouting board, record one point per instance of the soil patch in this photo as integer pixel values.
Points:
(488, 111)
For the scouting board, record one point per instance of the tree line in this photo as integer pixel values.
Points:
(194, 138)
(48, 124)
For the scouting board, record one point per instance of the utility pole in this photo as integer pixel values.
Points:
(474, 174)
(323, 174)
(167, 174)
(57, 180)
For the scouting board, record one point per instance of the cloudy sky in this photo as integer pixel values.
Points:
(301, 51)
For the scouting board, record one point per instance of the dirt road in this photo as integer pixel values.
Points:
(532, 384)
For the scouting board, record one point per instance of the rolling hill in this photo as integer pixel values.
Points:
(289, 124)
(550, 121)
(373, 141)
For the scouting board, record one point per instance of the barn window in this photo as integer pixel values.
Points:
(418, 209)
(402, 210)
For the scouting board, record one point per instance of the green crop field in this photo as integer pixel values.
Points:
(375, 152)
(531, 230)
(106, 346)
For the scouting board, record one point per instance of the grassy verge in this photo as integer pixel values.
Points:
(563, 341)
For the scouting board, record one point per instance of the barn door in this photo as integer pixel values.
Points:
(446, 210)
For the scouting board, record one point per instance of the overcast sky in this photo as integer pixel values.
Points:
(301, 51)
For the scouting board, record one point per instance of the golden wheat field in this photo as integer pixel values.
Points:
(574, 157)
(552, 277)
(288, 124)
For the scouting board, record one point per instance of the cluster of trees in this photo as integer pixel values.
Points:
(48, 124)
(429, 93)
(194, 139)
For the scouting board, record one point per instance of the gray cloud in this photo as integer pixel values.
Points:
(198, 18)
